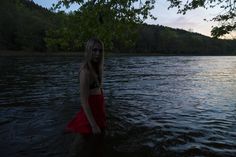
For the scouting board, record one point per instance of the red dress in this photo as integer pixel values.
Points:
(80, 123)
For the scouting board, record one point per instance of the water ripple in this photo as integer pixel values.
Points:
(156, 106)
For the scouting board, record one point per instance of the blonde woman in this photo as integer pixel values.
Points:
(90, 121)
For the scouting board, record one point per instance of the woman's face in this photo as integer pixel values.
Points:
(96, 53)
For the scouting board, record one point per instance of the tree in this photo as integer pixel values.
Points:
(109, 20)
(226, 17)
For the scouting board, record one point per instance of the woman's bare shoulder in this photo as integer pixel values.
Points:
(84, 73)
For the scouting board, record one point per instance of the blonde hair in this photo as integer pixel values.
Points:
(88, 57)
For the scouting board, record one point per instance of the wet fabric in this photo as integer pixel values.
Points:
(80, 123)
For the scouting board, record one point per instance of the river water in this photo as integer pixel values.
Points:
(156, 106)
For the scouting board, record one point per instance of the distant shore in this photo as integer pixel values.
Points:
(107, 54)
(25, 53)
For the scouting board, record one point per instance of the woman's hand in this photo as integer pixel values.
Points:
(96, 130)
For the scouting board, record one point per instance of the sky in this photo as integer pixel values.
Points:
(192, 20)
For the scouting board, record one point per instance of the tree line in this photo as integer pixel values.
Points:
(25, 26)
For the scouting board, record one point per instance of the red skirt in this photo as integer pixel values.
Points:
(80, 123)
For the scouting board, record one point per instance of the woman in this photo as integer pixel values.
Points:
(90, 121)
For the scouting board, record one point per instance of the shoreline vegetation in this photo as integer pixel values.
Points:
(25, 31)
(47, 54)
(7, 53)
(34, 53)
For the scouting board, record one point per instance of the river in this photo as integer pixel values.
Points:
(157, 106)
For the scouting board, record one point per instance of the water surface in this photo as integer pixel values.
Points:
(156, 106)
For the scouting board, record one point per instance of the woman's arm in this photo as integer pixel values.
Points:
(84, 94)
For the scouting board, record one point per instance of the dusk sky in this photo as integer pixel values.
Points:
(193, 20)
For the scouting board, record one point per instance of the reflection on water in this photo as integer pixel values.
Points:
(156, 106)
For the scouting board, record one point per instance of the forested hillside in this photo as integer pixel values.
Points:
(25, 26)
(154, 38)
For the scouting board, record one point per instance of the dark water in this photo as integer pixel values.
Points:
(156, 106)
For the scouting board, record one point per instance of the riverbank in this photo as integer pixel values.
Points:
(107, 54)
(25, 53)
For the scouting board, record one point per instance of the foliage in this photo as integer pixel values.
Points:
(26, 26)
(109, 20)
(226, 17)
